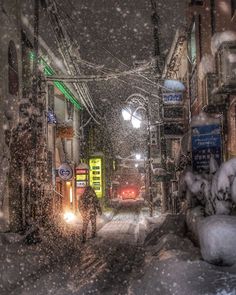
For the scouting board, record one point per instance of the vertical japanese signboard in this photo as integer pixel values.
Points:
(96, 175)
(206, 142)
(81, 179)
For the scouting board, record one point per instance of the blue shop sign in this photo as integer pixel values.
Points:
(51, 117)
(172, 97)
(206, 141)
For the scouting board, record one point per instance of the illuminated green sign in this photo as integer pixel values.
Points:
(96, 175)
(48, 71)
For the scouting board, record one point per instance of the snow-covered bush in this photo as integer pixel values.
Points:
(217, 192)
(225, 178)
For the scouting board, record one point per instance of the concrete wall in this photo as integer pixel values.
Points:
(9, 31)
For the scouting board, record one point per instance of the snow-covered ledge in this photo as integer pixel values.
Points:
(221, 37)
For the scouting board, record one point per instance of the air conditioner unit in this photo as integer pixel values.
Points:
(226, 61)
(211, 95)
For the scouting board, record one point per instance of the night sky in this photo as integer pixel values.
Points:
(117, 35)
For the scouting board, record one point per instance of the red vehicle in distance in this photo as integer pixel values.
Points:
(127, 192)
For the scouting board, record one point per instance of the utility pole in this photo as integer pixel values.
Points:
(149, 160)
(155, 22)
(158, 72)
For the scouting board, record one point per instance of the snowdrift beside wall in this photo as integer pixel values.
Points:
(217, 237)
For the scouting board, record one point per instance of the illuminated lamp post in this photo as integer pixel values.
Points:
(135, 103)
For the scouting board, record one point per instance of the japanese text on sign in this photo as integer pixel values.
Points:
(95, 175)
(206, 142)
(172, 97)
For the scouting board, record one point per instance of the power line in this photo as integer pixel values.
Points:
(65, 50)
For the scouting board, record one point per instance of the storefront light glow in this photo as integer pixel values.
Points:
(69, 216)
(71, 195)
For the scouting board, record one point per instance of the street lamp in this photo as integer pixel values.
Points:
(138, 156)
(126, 113)
(136, 121)
(137, 102)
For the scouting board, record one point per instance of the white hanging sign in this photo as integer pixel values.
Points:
(65, 171)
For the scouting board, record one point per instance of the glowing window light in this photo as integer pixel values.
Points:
(71, 195)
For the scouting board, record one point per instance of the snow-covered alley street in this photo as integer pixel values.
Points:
(118, 147)
(101, 266)
(118, 262)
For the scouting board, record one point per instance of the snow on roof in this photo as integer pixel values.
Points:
(115, 182)
(174, 85)
(204, 119)
(221, 37)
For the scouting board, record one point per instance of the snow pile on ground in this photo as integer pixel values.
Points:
(217, 236)
(166, 224)
(178, 273)
(174, 266)
(193, 216)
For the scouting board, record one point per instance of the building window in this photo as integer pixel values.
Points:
(193, 85)
(27, 66)
(233, 7)
(70, 110)
(213, 19)
(13, 79)
(192, 45)
(197, 2)
(200, 35)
